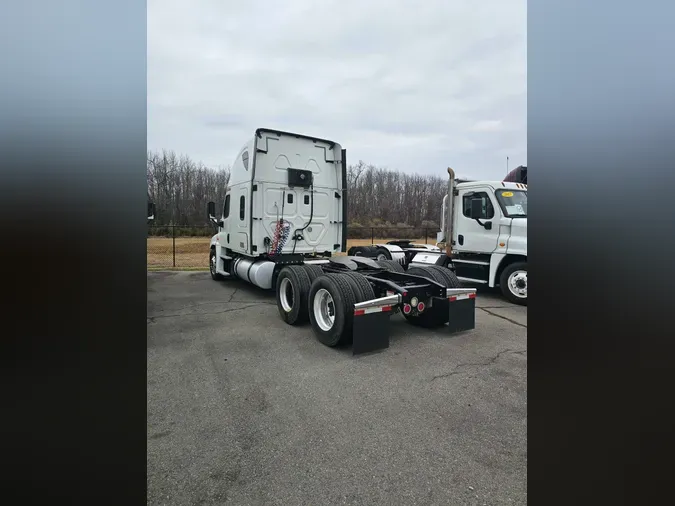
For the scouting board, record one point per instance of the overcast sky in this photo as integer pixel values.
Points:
(416, 86)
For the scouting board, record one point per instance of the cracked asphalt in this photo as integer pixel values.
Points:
(243, 409)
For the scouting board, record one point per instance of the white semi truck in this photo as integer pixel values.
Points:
(283, 221)
(484, 231)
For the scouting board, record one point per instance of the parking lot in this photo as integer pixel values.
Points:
(243, 409)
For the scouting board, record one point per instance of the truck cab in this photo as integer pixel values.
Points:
(489, 235)
(285, 199)
(483, 233)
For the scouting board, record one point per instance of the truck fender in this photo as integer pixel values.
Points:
(495, 261)
(431, 258)
(498, 262)
(214, 241)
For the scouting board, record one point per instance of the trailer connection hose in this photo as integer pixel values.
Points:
(297, 235)
(281, 233)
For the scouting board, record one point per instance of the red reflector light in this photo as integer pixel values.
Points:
(359, 312)
(386, 308)
(472, 295)
(407, 308)
(420, 307)
(452, 299)
(405, 294)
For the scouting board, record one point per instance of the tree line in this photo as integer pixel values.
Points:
(378, 197)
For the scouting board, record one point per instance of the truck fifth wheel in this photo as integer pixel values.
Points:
(283, 220)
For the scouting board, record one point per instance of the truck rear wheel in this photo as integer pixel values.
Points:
(331, 309)
(427, 272)
(292, 289)
(313, 271)
(513, 283)
(382, 254)
(433, 316)
(451, 280)
(391, 266)
(363, 285)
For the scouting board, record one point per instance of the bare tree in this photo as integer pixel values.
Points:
(181, 187)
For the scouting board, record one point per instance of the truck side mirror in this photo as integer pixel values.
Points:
(211, 210)
(151, 211)
(476, 208)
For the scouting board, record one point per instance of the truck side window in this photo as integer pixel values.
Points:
(242, 205)
(488, 209)
(226, 208)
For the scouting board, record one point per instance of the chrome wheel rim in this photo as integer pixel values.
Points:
(381, 256)
(286, 294)
(324, 310)
(518, 284)
(213, 264)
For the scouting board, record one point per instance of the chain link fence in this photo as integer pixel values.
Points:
(182, 247)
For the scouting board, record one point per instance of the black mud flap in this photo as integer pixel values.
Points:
(462, 313)
(370, 331)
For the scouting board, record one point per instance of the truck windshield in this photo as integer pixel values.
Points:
(513, 203)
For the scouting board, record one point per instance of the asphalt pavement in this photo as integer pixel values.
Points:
(246, 410)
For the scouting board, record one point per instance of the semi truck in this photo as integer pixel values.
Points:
(283, 227)
(483, 237)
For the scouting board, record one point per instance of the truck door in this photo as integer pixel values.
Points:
(241, 219)
(473, 237)
(224, 236)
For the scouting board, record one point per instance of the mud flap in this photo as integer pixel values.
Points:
(461, 312)
(370, 330)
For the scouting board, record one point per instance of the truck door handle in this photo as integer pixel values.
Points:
(460, 238)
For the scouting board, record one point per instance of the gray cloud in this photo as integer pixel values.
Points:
(407, 85)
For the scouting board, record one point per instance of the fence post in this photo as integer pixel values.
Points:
(426, 236)
(372, 235)
(173, 228)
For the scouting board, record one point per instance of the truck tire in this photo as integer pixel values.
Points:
(366, 290)
(292, 289)
(426, 272)
(313, 271)
(212, 266)
(331, 309)
(391, 266)
(434, 316)
(451, 280)
(513, 283)
(382, 254)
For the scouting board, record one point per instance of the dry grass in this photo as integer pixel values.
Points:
(193, 252)
(190, 252)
